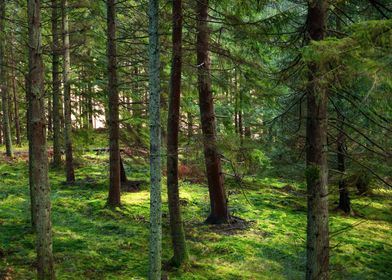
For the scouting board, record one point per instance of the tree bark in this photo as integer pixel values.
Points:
(3, 85)
(219, 211)
(155, 244)
(114, 157)
(56, 86)
(38, 148)
(176, 225)
(316, 153)
(69, 166)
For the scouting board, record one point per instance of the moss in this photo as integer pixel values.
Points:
(93, 242)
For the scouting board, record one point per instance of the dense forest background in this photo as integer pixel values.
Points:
(195, 139)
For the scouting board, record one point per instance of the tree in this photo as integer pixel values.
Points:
(56, 86)
(15, 92)
(176, 225)
(344, 199)
(114, 161)
(3, 84)
(38, 161)
(317, 243)
(218, 202)
(155, 142)
(69, 168)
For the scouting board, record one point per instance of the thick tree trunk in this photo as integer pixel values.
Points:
(69, 166)
(3, 85)
(56, 86)
(37, 146)
(155, 145)
(316, 154)
(176, 225)
(114, 161)
(219, 211)
(344, 199)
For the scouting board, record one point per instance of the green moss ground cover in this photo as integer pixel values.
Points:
(93, 242)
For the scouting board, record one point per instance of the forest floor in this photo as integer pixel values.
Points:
(93, 242)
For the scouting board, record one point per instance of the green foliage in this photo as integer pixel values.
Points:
(258, 161)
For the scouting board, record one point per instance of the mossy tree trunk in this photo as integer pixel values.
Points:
(3, 84)
(176, 225)
(155, 244)
(114, 161)
(56, 86)
(316, 153)
(219, 210)
(38, 162)
(69, 165)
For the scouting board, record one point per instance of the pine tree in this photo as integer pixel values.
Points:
(38, 162)
(155, 142)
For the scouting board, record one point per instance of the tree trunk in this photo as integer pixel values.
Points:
(56, 86)
(316, 154)
(190, 126)
(3, 85)
(344, 199)
(15, 95)
(123, 174)
(219, 211)
(176, 225)
(155, 148)
(114, 161)
(69, 168)
(37, 146)
(1, 130)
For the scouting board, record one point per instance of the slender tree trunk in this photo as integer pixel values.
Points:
(316, 154)
(176, 225)
(190, 126)
(50, 117)
(1, 129)
(114, 162)
(15, 95)
(344, 199)
(123, 174)
(240, 116)
(3, 85)
(56, 86)
(155, 145)
(69, 166)
(219, 211)
(37, 145)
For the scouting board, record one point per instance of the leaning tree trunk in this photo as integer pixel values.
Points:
(316, 153)
(155, 148)
(114, 161)
(38, 162)
(3, 85)
(176, 226)
(219, 211)
(56, 86)
(69, 167)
